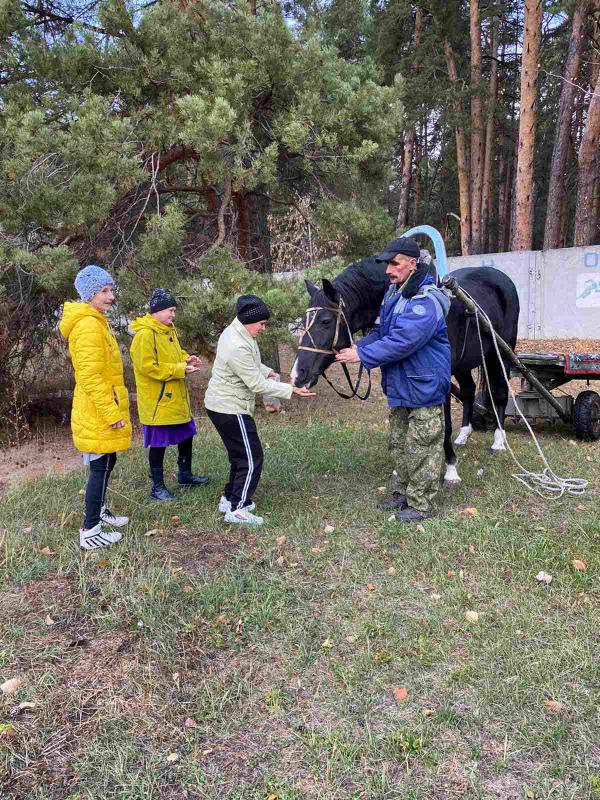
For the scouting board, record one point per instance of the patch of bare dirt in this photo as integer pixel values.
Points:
(50, 453)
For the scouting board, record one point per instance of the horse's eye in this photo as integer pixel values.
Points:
(327, 320)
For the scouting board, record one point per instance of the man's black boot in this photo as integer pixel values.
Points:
(159, 490)
(409, 514)
(395, 502)
(185, 477)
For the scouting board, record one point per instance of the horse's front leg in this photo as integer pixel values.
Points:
(451, 476)
(467, 392)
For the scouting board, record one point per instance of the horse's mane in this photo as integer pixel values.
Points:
(363, 282)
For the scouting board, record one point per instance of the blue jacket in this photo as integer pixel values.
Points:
(410, 343)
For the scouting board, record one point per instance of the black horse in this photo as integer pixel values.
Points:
(351, 302)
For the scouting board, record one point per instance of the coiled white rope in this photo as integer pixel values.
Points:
(546, 484)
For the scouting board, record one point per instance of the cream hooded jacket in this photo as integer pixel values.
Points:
(238, 374)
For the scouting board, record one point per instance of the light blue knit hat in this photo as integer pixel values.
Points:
(90, 280)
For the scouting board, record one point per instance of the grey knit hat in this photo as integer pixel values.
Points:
(90, 280)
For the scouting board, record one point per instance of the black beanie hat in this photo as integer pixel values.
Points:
(250, 308)
(161, 299)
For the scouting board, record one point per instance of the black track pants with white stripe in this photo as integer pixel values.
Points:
(240, 437)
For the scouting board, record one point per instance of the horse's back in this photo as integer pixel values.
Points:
(489, 286)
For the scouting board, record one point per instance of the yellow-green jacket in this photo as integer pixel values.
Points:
(100, 397)
(238, 374)
(159, 366)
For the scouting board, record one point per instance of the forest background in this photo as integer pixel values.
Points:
(203, 145)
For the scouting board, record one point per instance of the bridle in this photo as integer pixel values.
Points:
(311, 316)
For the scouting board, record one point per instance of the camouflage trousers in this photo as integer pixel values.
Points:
(417, 449)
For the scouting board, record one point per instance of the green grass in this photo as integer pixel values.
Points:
(267, 668)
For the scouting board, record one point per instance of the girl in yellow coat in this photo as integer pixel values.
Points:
(160, 366)
(100, 415)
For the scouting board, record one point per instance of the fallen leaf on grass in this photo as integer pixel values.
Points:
(329, 529)
(27, 530)
(391, 571)
(471, 548)
(400, 694)
(392, 518)
(188, 588)
(327, 644)
(26, 706)
(370, 586)
(581, 566)
(580, 507)
(553, 705)
(49, 621)
(381, 489)
(471, 616)
(543, 577)
(11, 685)
(315, 550)
(435, 596)
(280, 540)
(153, 532)
(175, 520)
(47, 552)
(470, 512)
(421, 528)
(427, 712)
(273, 796)
(280, 561)
(451, 573)
(172, 758)
(351, 639)
(190, 723)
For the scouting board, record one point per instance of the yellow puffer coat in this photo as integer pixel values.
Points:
(159, 366)
(100, 397)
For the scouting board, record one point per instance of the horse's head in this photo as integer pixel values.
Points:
(325, 331)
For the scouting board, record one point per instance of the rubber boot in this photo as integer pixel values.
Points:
(159, 490)
(185, 477)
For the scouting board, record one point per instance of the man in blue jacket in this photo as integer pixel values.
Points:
(410, 343)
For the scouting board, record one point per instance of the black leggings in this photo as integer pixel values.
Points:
(156, 455)
(95, 491)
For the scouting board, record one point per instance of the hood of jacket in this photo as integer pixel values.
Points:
(428, 288)
(73, 313)
(148, 322)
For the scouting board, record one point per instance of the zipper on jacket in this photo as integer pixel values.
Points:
(162, 391)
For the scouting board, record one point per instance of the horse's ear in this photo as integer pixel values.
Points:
(310, 287)
(331, 293)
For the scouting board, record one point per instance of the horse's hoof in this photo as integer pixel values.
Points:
(463, 436)
(451, 478)
(496, 450)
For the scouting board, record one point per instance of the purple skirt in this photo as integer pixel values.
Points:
(164, 435)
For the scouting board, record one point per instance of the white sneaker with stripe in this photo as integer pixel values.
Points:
(225, 506)
(112, 519)
(97, 537)
(241, 516)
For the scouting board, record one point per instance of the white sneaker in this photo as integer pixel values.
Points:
(241, 516)
(225, 506)
(112, 519)
(97, 537)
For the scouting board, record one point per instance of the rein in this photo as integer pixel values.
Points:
(311, 316)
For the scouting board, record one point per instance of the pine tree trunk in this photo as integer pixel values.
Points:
(503, 194)
(523, 228)
(486, 200)
(477, 155)
(585, 222)
(552, 231)
(409, 141)
(461, 158)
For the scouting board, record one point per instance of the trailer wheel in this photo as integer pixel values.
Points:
(586, 417)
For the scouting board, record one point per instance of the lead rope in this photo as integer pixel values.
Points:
(547, 484)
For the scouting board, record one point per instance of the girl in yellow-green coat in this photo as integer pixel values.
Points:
(161, 366)
(100, 414)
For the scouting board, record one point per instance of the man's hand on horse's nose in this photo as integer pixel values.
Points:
(349, 355)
